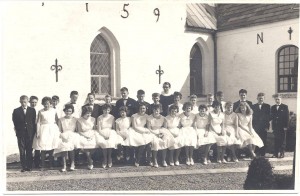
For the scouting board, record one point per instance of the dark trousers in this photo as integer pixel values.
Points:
(280, 141)
(37, 158)
(25, 149)
(262, 133)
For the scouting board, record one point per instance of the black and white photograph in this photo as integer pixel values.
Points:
(149, 97)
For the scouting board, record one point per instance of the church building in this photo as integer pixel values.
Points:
(101, 46)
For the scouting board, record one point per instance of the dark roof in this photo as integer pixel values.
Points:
(224, 17)
(233, 16)
(201, 16)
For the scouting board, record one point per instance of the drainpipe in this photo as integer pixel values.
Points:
(214, 36)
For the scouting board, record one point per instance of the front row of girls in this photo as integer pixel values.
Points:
(167, 134)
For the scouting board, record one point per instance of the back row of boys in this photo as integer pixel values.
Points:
(262, 112)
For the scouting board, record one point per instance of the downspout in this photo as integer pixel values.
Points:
(215, 62)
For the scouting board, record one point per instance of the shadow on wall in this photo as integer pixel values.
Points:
(185, 89)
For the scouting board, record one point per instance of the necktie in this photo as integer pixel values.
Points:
(277, 106)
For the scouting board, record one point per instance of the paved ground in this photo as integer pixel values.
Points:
(214, 176)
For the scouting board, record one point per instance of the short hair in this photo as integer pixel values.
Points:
(193, 96)
(217, 104)
(124, 89)
(86, 109)
(91, 94)
(249, 111)
(186, 105)
(69, 106)
(123, 108)
(228, 103)
(260, 94)
(277, 95)
(173, 107)
(155, 95)
(243, 91)
(55, 98)
(156, 107)
(209, 95)
(33, 97)
(45, 99)
(202, 106)
(219, 93)
(106, 106)
(73, 93)
(23, 97)
(140, 92)
(167, 83)
(142, 104)
(177, 94)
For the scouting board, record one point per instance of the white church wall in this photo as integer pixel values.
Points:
(35, 35)
(242, 63)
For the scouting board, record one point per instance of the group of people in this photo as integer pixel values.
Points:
(166, 125)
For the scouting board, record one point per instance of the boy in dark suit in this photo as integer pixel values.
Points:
(130, 103)
(261, 121)
(141, 96)
(280, 119)
(96, 109)
(243, 98)
(24, 118)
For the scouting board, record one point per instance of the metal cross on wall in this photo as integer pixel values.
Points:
(57, 68)
(159, 72)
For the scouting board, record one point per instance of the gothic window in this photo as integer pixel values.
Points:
(196, 84)
(100, 66)
(287, 69)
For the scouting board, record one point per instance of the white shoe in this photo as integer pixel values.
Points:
(171, 163)
(155, 165)
(165, 164)
(188, 161)
(90, 167)
(192, 161)
(63, 170)
(72, 168)
(176, 163)
(136, 164)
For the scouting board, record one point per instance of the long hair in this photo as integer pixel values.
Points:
(249, 111)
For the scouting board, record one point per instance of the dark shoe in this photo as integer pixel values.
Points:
(281, 155)
(23, 170)
(28, 169)
(274, 156)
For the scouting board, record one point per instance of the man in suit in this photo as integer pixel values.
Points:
(261, 121)
(141, 96)
(24, 119)
(96, 108)
(73, 100)
(243, 98)
(219, 99)
(130, 103)
(280, 119)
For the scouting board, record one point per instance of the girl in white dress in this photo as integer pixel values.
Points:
(140, 136)
(123, 128)
(172, 123)
(247, 134)
(177, 98)
(231, 130)
(68, 137)
(205, 138)
(193, 100)
(106, 137)
(216, 121)
(47, 135)
(85, 127)
(162, 138)
(187, 119)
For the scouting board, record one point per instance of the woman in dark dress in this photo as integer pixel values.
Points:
(166, 98)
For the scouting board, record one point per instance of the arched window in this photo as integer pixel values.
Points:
(196, 84)
(100, 66)
(287, 69)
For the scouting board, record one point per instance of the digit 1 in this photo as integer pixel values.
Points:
(156, 13)
(126, 4)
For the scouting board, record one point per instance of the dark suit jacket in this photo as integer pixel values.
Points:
(96, 110)
(24, 124)
(280, 117)
(237, 104)
(131, 104)
(261, 117)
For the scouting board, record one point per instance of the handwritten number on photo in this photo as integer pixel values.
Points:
(156, 13)
(127, 13)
